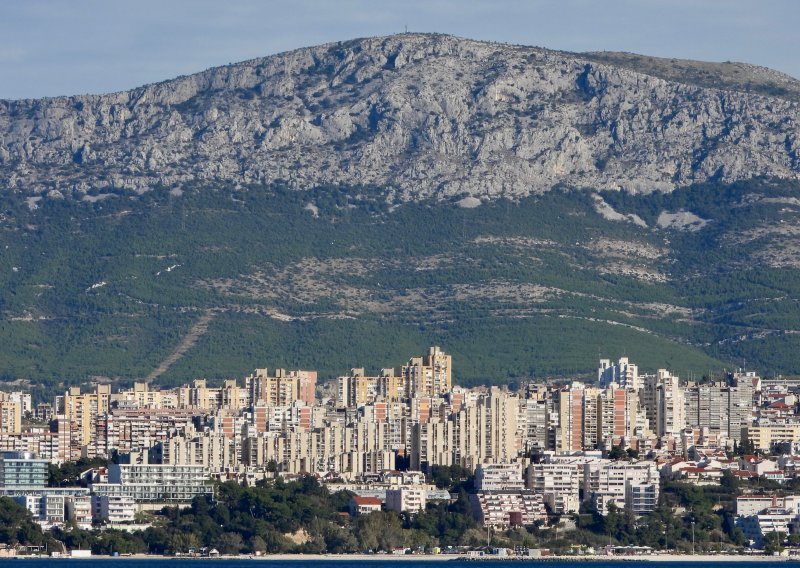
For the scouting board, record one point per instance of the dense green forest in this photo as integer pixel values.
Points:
(332, 278)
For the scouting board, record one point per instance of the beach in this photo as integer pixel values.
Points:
(411, 558)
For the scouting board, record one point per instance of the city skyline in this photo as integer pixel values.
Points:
(536, 455)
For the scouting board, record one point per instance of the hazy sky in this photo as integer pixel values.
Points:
(50, 47)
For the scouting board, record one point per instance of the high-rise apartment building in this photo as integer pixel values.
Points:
(356, 389)
(10, 417)
(282, 388)
(616, 415)
(670, 411)
(429, 375)
(569, 434)
(724, 409)
(624, 374)
(81, 412)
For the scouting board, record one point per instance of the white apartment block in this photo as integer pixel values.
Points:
(773, 519)
(670, 412)
(748, 505)
(508, 508)
(557, 483)
(51, 507)
(499, 477)
(631, 485)
(625, 374)
(642, 497)
(79, 510)
(153, 486)
(406, 498)
(578, 461)
(114, 510)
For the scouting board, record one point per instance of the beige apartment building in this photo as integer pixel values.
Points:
(10, 417)
(81, 412)
(764, 437)
(430, 375)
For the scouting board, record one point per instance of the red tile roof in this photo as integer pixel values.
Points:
(358, 500)
(740, 473)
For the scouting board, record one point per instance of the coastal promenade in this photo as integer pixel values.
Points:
(410, 558)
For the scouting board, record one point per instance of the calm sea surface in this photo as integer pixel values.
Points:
(332, 563)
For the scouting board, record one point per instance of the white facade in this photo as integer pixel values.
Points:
(499, 477)
(624, 373)
(773, 519)
(54, 506)
(79, 510)
(558, 485)
(670, 410)
(155, 485)
(622, 483)
(411, 498)
(748, 505)
(114, 509)
(507, 508)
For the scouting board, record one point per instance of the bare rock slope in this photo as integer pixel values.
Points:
(421, 115)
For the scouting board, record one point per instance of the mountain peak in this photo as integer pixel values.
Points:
(424, 115)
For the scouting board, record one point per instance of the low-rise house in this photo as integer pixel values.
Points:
(364, 505)
(776, 476)
(699, 475)
(757, 465)
(790, 463)
(670, 469)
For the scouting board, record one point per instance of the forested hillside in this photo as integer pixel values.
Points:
(228, 279)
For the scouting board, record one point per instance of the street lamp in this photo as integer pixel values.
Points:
(692, 537)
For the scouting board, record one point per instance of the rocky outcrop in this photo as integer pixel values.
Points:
(421, 115)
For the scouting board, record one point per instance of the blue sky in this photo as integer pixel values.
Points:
(50, 48)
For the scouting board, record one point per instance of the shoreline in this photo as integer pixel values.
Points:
(714, 558)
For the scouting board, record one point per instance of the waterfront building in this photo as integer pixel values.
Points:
(406, 498)
(153, 486)
(20, 470)
(114, 509)
(502, 509)
(557, 483)
(634, 485)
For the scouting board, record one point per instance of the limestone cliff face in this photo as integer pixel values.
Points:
(421, 115)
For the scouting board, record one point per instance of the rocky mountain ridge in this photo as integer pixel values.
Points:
(420, 115)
